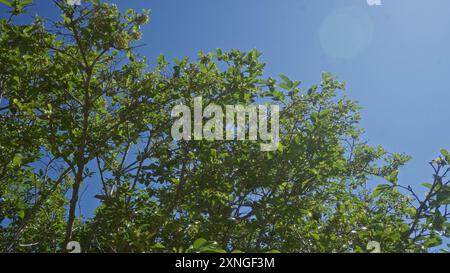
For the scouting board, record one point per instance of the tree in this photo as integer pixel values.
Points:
(80, 107)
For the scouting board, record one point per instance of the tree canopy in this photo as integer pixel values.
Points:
(79, 106)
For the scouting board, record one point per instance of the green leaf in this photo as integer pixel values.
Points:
(17, 160)
(212, 250)
(21, 214)
(446, 155)
(314, 117)
(284, 86)
(381, 188)
(284, 78)
(6, 3)
(433, 242)
(199, 243)
(159, 246)
(287, 84)
(393, 177)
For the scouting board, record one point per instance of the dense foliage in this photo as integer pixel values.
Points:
(79, 107)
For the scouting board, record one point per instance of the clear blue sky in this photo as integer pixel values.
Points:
(395, 57)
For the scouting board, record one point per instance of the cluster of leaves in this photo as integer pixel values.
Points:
(78, 107)
(17, 6)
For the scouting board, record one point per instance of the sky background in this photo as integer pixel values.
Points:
(395, 57)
